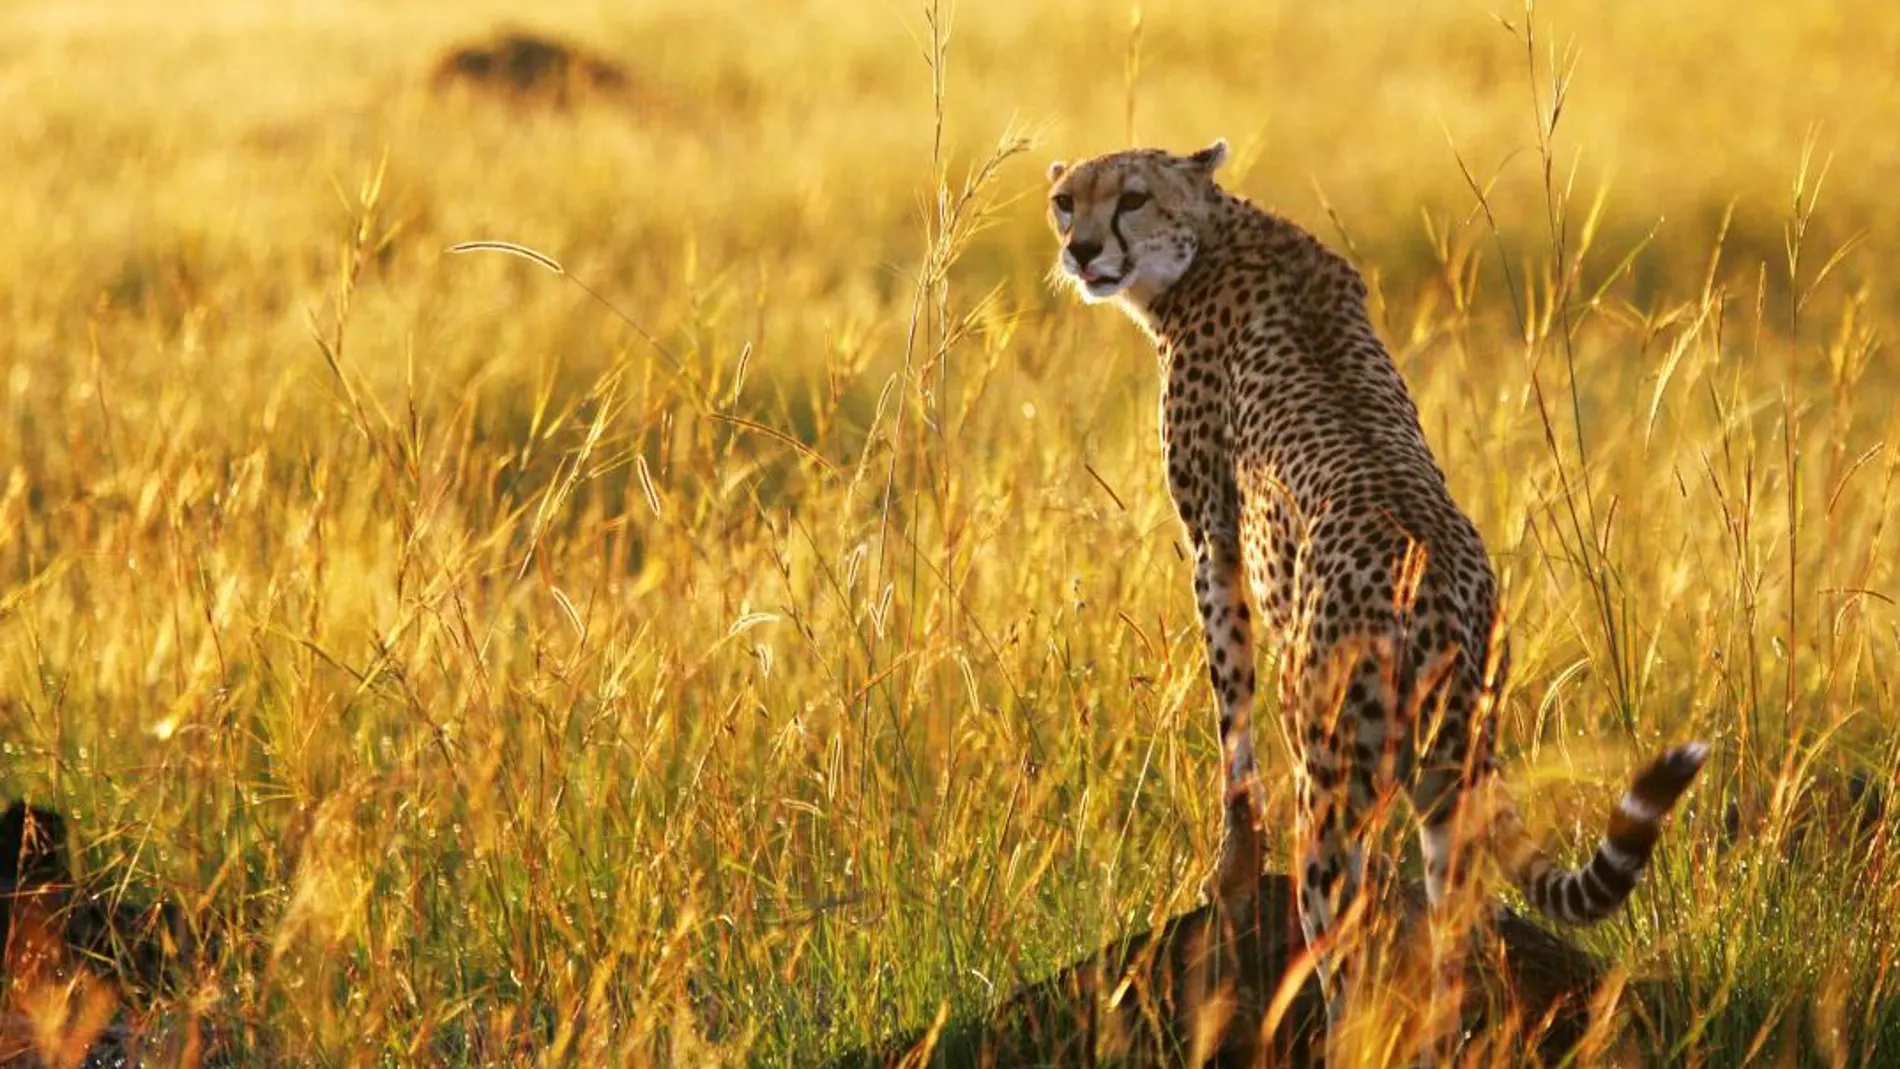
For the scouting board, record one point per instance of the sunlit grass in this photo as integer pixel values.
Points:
(502, 685)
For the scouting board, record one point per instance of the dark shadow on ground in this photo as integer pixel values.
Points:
(1171, 997)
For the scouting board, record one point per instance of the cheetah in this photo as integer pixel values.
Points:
(1296, 461)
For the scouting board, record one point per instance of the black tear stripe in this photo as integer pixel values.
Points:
(1115, 228)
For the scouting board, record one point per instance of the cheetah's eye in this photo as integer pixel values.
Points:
(1063, 202)
(1131, 201)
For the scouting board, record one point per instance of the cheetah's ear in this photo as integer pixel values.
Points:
(1210, 158)
(1057, 169)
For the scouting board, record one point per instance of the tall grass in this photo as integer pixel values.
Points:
(502, 684)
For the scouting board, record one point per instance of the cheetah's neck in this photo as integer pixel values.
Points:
(1280, 267)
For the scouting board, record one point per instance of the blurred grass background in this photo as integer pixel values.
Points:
(505, 689)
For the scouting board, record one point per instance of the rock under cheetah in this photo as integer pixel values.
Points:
(1295, 459)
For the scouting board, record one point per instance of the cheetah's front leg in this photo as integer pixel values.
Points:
(1227, 626)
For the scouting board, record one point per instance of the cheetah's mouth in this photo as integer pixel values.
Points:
(1101, 283)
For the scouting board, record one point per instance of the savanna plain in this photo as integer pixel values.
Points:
(792, 644)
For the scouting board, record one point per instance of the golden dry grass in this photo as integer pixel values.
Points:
(507, 688)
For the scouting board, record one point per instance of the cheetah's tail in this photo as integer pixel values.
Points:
(1591, 893)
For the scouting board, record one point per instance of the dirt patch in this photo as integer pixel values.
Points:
(531, 69)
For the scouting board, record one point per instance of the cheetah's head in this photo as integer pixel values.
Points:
(1129, 222)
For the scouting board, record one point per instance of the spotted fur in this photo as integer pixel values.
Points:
(1295, 458)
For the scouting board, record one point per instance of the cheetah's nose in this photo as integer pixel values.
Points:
(1084, 251)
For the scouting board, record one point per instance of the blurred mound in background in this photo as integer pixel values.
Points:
(528, 68)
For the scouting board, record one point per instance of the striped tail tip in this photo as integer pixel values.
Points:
(1657, 788)
(1589, 894)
